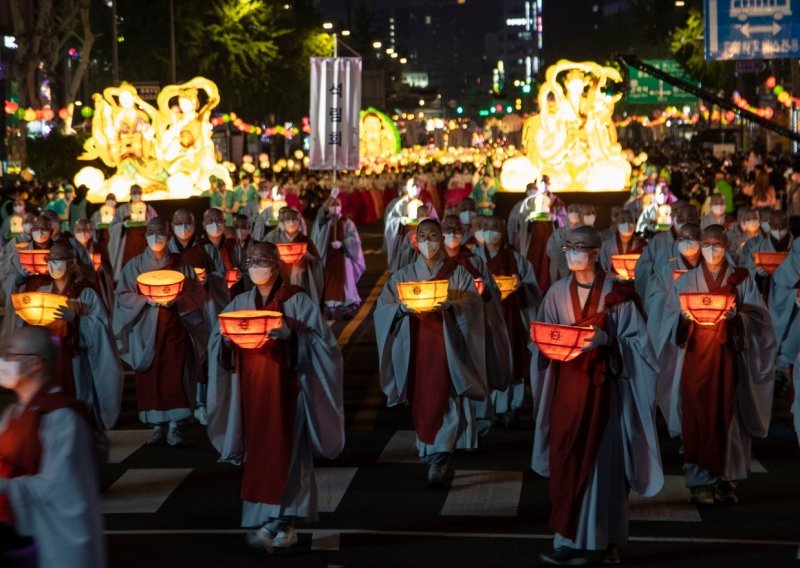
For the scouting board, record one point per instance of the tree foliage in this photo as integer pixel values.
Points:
(688, 48)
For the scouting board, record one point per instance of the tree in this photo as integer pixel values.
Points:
(689, 50)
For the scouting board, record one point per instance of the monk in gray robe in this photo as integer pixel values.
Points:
(717, 214)
(595, 434)
(779, 239)
(622, 240)
(165, 344)
(410, 348)
(126, 235)
(748, 227)
(396, 224)
(49, 483)
(101, 274)
(558, 266)
(275, 408)
(720, 377)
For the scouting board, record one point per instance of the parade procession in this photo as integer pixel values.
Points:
(369, 320)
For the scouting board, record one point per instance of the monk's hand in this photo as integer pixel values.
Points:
(403, 309)
(65, 313)
(761, 272)
(282, 333)
(686, 315)
(598, 339)
(730, 314)
(336, 245)
(442, 306)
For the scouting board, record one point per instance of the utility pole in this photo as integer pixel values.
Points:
(114, 44)
(174, 74)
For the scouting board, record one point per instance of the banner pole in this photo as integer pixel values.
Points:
(335, 55)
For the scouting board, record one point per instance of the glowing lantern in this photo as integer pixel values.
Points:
(11, 107)
(560, 342)
(48, 114)
(161, 286)
(507, 285)
(625, 265)
(249, 329)
(292, 252)
(106, 215)
(769, 261)
(21, 246)
(37, 308)
(201, 274)
(232, 276)
(479, 285)
(422, 296)
(91, 177)
(63, 114)
(706, 308)
(677, 273)
(97, 261)
(15, 224)
(413, 238)
(34, 261)
(138, 212)
(517, 173)
(30, 115)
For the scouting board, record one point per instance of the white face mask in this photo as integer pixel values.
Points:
(778, 234)
(19, 209)
(156, 243)
(589, 220)
(259, 275)
(574, 218)
(41, 236)
(136, 197)
(625, 229)
(577, 260)
(492, 237)
(765, 226)
(291, 227)
(242, 234)
(184, 232)
(335, 210)
(428, 249)
(689, 248)
(466, 217)
(718, 210)
(479, 237)
(214, 229)
(83, 237)
(9, 374)
(26, 228)
(57, 268)
(751, 226)
(452, 240)
(111, 203)
(713, 255)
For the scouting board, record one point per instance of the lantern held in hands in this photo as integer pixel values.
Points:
(249, 329)
(479, 285)
(97, 261)
(38, 308)
(706, 308)
(232, 276)
(34, 260)
(422, 296)
(161, 286)
(625, 265)
(507, 285)
(560, 342)
(291, 252)
(201, 274)
(138, 212)
(678, 273)
(769, 261)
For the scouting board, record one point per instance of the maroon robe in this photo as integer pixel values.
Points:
(537, 252)
(135, 243)
(335, 269)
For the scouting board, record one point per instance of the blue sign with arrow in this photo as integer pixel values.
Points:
(752, 29)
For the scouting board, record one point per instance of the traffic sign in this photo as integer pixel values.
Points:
(646, 89)
(753, 67)
(752, 29)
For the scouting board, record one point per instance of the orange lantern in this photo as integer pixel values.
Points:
(706, 308)
(507, 285)
(413, 237)
(560, 342)
(97, 261)
(248, 329)
(232, 276)
(21, 246)
(625, 265)
(479, 285)
(292, 252)
(422, 296)
(677, 273)
(34, 260)
(769, 261)
(37, 308)
(200, 273)
(161, 286)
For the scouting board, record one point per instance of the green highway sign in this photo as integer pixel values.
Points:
(645, 89)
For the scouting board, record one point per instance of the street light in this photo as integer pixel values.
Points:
(376, 44)
(403, 60)
(345, 33)
(394, 55)
(327, 26)
(389, 51)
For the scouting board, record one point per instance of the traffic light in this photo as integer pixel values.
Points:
(526, 88)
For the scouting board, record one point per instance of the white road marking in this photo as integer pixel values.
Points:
(143, 490)
(484, 493)
(332, 483)
(125, 442)
(402, 448)
(324, 540)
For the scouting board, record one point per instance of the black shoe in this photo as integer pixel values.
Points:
(723, 492)
(610, 556)
(565, 557)
(438, 474)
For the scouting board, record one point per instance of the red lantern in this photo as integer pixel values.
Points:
(161, 286)
(292, 252)
(769, 261)
(479, 285)
(34, 260)
(625, 265)
(249, 329)
(11, 107)
(63, 114)
(771, 82)
(97, 261)
(48, 114)
(560, 342)
(232, 276)
(422, 296)
(677, 273)
(706, 308)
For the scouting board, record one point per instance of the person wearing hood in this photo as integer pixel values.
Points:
(410, 347)
(776, 239)
(719, 377)
(748, 227)
(126, 237)
(595, 430)
(622, 240)
(716, 214)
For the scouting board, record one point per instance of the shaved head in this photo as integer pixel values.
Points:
(589, 237)
(31, 340)
(183, 217)
(266, 251)
(716, 232)
(690, 231)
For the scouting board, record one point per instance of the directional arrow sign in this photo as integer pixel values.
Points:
(752, 29)
(747, 29)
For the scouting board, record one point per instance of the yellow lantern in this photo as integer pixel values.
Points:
(291, 252)
(15, 224)
(706, 308)
(249, 329)
(161, 286)
(625, 265)
(138, 212)
(97, 261)
(37, 308)
(560, 342)
(422, 296)
(507, 285)
(34, 260)
(769, 261)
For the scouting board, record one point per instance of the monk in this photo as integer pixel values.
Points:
(101, 274)
(595, 434)
(622, 241)
(410, 348)
(748, 227)
(558, 267)
(49, 482)
(720, 377)
(164, 344)
(306, 272)
(777, 240)
(276, 407)
(126, 233)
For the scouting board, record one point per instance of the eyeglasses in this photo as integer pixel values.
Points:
(577, 248)
(260, 262)
(715, 246)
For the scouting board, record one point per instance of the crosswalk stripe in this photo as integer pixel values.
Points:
(484, 493)
(402, 448)
(332, 483)
(325, 540)
(125, 442)
(671, 504)
(143, 490)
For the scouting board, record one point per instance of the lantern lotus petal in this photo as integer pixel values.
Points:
(37, 308)
(625, 265)
(479, 284)
(507, 285)
(769, 261)
(34, 260)
(678, 273)
(232, 276)
(292, 252)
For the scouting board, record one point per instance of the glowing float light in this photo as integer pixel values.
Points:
(769, 261)
(292, 252)
(705, 308)
(38, 308)
(249, 329)
(232, 276)
(560, 342)
(34, 260)
(517, 173)
(507, 285)
(161, 286)
(625, 265)
(422, 296)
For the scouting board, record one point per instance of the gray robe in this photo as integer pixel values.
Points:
(628, 455)
(306, 272)
(464, 342)
(319, 422)
(758, 244)
(558, 262)
(393, 233)
(755, 371)
(645, 267)
(116, 236)
(59, 507)
(355, 265)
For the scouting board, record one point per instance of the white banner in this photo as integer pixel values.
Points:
(335, 112)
